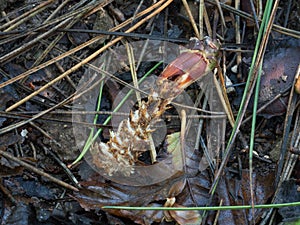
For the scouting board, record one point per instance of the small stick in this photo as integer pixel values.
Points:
(65, 168)
(207, 23)
(182, 138)
(26, 16)
(188, 10)
(221, 13)
(201, 16)
(37, 171)
(238, 37)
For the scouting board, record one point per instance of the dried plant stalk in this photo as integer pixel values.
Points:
(122, 151)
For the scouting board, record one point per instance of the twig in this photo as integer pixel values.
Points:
(29, 44)
(183, 132)
(17, 21)
(56, 11)
(19, 124)
(37, 171)
(275, 27)
(194, 25)
(238, 36)
(201, 12)
(221, 13)
(254, 14)
(88, 59)
(76, 18)
(74, 50)
(65, 168)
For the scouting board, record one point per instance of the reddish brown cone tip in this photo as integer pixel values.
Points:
(192, 64)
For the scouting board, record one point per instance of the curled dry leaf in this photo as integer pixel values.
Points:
(99, 193)
(183, 217)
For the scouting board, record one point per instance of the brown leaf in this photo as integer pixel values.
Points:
(10, 139)
(99, 193)
(279, 69)
(237, 192)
